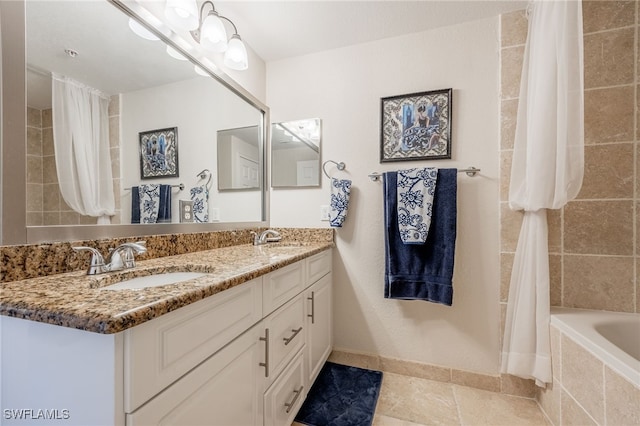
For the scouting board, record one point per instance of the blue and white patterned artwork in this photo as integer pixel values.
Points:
(340, 192)
(159, 153)
(416, 188)
(200, 198)
(149, 203)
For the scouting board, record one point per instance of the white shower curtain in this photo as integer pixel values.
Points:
(81, 142)
(546, 173)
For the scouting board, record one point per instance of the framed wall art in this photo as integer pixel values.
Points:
(416, 126)
(159, 153)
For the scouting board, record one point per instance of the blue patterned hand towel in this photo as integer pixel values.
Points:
(422, 271)
(200, 198)
(340, 192)
(151, 204)
(416, 188)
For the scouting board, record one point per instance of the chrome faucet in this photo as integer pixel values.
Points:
(121, 257)
(264, 237)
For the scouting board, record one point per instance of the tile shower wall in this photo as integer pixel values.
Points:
(45, 205)
(594, 254)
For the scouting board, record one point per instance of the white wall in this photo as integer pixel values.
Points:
(199, 108)
(343, 87)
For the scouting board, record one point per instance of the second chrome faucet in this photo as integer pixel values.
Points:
(121, 257)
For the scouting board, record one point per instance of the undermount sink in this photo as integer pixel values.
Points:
(154, 280)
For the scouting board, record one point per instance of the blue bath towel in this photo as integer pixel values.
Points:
(164, 207)
(422, 271)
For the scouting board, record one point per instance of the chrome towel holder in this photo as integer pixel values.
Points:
(340, 166)
(470, 171)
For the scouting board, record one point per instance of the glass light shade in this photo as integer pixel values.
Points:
(141, 31)
(201, 71)
(175, 54)
(182, 14)
(236, 55)
(213, 36)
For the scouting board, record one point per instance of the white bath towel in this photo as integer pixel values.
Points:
(415, 203)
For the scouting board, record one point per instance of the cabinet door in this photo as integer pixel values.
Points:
(319, 321)
(225, 390)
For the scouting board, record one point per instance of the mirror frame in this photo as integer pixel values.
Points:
(13, 229)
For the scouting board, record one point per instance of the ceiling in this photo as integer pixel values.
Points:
(282, 29)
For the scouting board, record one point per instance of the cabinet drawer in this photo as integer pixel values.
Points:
(159, 352)
(318, 266)
(286, 336)
(281, 285)
(285, 397)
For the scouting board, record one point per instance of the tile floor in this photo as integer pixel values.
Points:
(411, 401)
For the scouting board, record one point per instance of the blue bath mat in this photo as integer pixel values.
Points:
(341, 396)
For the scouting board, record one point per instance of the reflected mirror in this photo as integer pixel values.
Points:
(150, 90)
(295, 153)
(239, 159)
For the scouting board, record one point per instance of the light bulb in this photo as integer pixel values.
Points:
(213, 36)
(236, 55)
(175, 54)
(141, 31)
(201, 71)
(182, 14)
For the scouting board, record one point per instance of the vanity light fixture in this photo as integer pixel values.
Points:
(212, 36)
(182, 14)
(175, 54)
(142, 31)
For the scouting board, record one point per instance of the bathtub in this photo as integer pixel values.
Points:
(613, 337)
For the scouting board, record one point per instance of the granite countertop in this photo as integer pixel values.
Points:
(79, 301)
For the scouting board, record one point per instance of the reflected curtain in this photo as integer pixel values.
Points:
(81, 142)
(546, 173)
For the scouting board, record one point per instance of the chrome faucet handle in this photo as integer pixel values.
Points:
(96, 265)
(123, 256)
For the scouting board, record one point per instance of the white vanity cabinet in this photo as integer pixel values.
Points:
(244, 356)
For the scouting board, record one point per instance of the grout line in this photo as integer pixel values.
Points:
(616, 86)
(455, 399)
(608, 30)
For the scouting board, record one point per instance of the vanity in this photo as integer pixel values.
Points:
(240, 345)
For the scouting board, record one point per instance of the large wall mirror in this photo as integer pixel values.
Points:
(295, 153)
(150, 87)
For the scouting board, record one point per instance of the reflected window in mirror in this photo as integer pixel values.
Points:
(295, 153)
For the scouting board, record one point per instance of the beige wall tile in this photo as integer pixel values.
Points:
(549, 400)
(556, 358)
(622, 400)
(47, 118)
(555, 280)
(69, 218)
(49, 174)
(47, 142)
(508, 119)
(34, 117)
(582, 377)
(554, 223)
(52, 218)
(415, 369)
(637, 285)
(34, 141)
(609, 58)
(87, 220)
(511, 221)
(476, 380)
(513, 28)
(34, 169)
(114, 131)
(116, 193)
(598, 282)
(601, 15)
(599, 227)
(114, 105)
(34, 219)
(505, 174)
(34, 197)
(506, 266)
(417, 400)
(608, 115)
(503, 318)
(368, 361)
(572, 413)
(51, 197)
(479, 407)
(511, 64)
(512, 385)
(115, 162)
(608, 171)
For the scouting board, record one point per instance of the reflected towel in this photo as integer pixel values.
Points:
(200, 198)
(340, 192)
(422, 271)
(158, 210)
(415, 203)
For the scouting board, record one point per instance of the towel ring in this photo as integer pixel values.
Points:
(340, 166)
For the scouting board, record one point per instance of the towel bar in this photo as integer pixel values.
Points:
(180, 186)
(471, 172)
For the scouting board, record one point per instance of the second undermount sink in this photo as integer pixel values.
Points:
(154, 280)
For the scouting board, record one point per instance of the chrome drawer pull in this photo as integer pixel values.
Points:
(288, 340)
(313, 307)
(265, 364)
(296, 395)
